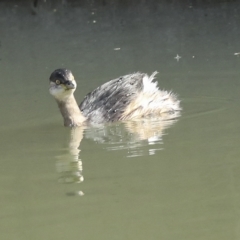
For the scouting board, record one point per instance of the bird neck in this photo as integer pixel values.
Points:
(70, 111)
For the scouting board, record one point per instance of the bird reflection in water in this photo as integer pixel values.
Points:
(131, 136)
(69, 166)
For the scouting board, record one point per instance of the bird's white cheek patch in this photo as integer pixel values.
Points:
(59, 92)
(55, 90)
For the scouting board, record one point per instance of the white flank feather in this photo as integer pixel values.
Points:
(148, 84)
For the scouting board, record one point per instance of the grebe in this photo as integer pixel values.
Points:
(128, 97)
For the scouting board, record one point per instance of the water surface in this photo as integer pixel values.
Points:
(120, 183)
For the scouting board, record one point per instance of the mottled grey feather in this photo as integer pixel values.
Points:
(108, 102)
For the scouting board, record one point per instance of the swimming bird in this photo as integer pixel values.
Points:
(128, 97)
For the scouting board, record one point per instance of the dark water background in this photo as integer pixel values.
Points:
(184, 184)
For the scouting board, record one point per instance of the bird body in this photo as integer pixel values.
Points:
(128, 97)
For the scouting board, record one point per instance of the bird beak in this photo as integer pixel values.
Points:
(69, 85)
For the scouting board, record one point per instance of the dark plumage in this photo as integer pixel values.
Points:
(108, 102)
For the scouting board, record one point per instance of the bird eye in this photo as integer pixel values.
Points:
(57, 82)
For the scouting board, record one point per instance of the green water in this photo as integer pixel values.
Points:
(184, 185)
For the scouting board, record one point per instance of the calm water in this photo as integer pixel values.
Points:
(142, 180)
